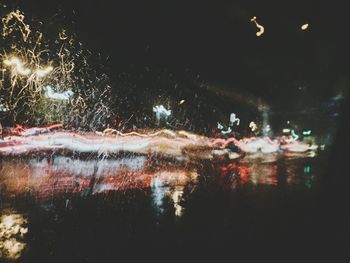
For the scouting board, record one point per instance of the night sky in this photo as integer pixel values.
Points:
(188, 43)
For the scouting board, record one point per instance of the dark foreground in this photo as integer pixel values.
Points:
(278, 210)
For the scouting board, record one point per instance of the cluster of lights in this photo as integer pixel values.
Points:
(233, 119)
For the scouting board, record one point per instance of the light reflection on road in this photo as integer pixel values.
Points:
(59, 176)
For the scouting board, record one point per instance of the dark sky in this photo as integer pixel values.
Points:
(217, 41)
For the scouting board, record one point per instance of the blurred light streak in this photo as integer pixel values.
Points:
(17, 66)
(43, 72)
(260, 27)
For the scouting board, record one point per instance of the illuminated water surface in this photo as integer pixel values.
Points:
(65, 203)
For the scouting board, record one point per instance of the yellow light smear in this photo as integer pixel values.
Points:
(12, 231)
(18, 66)
(260, 27)
(43, 72)
(253, 126)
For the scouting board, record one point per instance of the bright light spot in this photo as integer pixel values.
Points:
(286, 130)
(182, 101)
(234, 119)
(17, 65)
(253, 126)
(220, 127)
(307, 132)
(51, 94)
(43, 72)
(304, 27)
(260, 27)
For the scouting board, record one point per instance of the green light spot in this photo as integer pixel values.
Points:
(307, 169)
(307, 132)
(295, 136)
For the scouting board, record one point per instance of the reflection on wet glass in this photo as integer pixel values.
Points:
(158, 193)
(257, 172)
(263, 174)
(176, 197)
(171, 184)
(45, 179)
(12, 232)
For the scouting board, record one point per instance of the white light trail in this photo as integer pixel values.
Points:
(228, 131)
